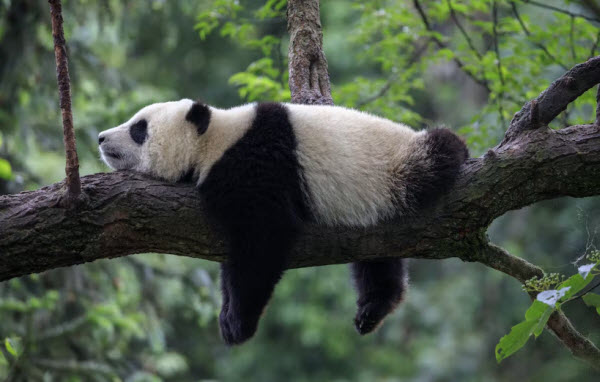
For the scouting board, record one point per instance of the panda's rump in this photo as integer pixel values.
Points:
(348, 158)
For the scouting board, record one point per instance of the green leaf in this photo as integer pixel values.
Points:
(5, 169)
(515, 340)
(577, 283)
(593, 300)
(536, 318)
(13, 345)
(541, 324)
(536, 311)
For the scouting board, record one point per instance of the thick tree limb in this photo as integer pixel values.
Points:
(309, 79)
(64, 87)
(129, 213)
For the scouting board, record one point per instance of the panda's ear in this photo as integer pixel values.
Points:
(199, 115)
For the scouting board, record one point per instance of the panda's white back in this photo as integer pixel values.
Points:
(348, 158)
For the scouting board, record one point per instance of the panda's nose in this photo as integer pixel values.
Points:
(101, 139)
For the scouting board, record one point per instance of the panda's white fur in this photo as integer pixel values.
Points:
(265, 169)
(349, 159)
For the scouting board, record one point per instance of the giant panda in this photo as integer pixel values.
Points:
(264, 170)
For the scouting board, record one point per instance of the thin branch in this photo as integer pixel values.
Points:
(63, 328)
(73, 182)
(536, 44)
(560, 10)
(572, 39)
(581, 294)
(74, 366)
(595, 46)
(555, 99)
(598, 106)
(443, 45)
(392, 78)
(454, 17)
(498, 60)
(380, 93)
(499, 259)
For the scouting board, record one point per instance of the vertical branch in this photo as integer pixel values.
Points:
(572, 39)
(309, 79)
(64, 87)
(598, 106)
(498, 61)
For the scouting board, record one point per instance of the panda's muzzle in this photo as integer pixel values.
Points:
(112, 154)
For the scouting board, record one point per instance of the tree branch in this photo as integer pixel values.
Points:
(560, 10)
(309, 79)
(462, 30)
(528, 34)
(552, 101)
(64, 87)
(129, 213)
(442, 45)
(499, 259)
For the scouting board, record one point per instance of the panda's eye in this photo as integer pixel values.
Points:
(139, 131)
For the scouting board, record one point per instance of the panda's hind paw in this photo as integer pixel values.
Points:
(235, 330)
(371, 314)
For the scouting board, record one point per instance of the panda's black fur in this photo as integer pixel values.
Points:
(254, 194)
(276, 167)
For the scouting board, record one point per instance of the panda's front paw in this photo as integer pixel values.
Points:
(235, 329)
(371, 314)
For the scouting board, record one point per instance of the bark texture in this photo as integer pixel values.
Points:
(73, 182)
(309, 78)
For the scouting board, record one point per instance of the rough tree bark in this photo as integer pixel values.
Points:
(309, 78)
(128, 213)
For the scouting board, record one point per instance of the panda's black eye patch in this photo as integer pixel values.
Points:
(139, 131)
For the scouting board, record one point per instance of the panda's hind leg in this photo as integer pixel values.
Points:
(247, 285)
(381, 286)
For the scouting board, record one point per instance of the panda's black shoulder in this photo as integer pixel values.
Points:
(260, 169)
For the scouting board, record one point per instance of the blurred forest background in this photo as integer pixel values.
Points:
(469, 64)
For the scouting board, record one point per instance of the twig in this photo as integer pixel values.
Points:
(392, 78)
(454, 17)
(62, 76)
(537, 44)
(572, 39)
(560, 10)
(499, 259)
(595, 46)
(442, 45)
(498, 60)
(584, 293)
(70, 365)
(598, 106)
(63, 328)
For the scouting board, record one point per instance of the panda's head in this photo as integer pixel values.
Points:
(162, 139)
